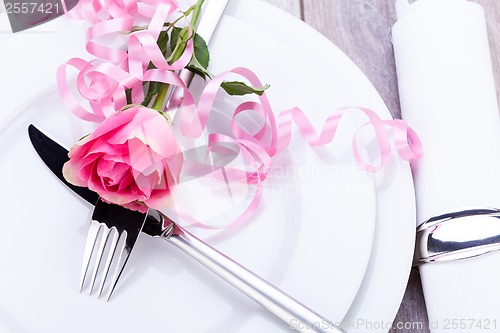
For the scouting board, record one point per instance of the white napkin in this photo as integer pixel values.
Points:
(447, 94)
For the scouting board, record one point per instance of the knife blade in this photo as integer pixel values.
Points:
(54, 156)
(157, 225)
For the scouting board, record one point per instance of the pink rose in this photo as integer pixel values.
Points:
(132, 159)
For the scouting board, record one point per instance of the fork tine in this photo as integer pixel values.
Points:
(109, 259)
(114, 225)
(122, 260)
(89, 248)
(100, 252)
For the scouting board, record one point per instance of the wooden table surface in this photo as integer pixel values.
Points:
(361, 28)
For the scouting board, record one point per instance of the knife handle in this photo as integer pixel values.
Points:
(292, 312)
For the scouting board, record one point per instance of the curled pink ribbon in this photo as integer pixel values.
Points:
(103, 83)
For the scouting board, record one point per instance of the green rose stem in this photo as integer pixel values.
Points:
(177, 53)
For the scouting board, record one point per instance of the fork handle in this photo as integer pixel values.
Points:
(292, 312)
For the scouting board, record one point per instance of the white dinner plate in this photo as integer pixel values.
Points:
(167, 287)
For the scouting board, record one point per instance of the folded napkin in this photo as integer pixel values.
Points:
(447, 94)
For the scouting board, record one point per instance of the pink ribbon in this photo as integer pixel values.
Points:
(104, 81)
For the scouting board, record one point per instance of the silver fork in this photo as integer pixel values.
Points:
(116, 238)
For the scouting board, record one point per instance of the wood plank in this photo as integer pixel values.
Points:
(291, 6)
(412, 310)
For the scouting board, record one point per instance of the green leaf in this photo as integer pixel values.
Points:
(153, 90)
(174, 37)
(198, 70)
(201, 51)
(178, 41)
(162, 42)
(200, 59)
(236, 88)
